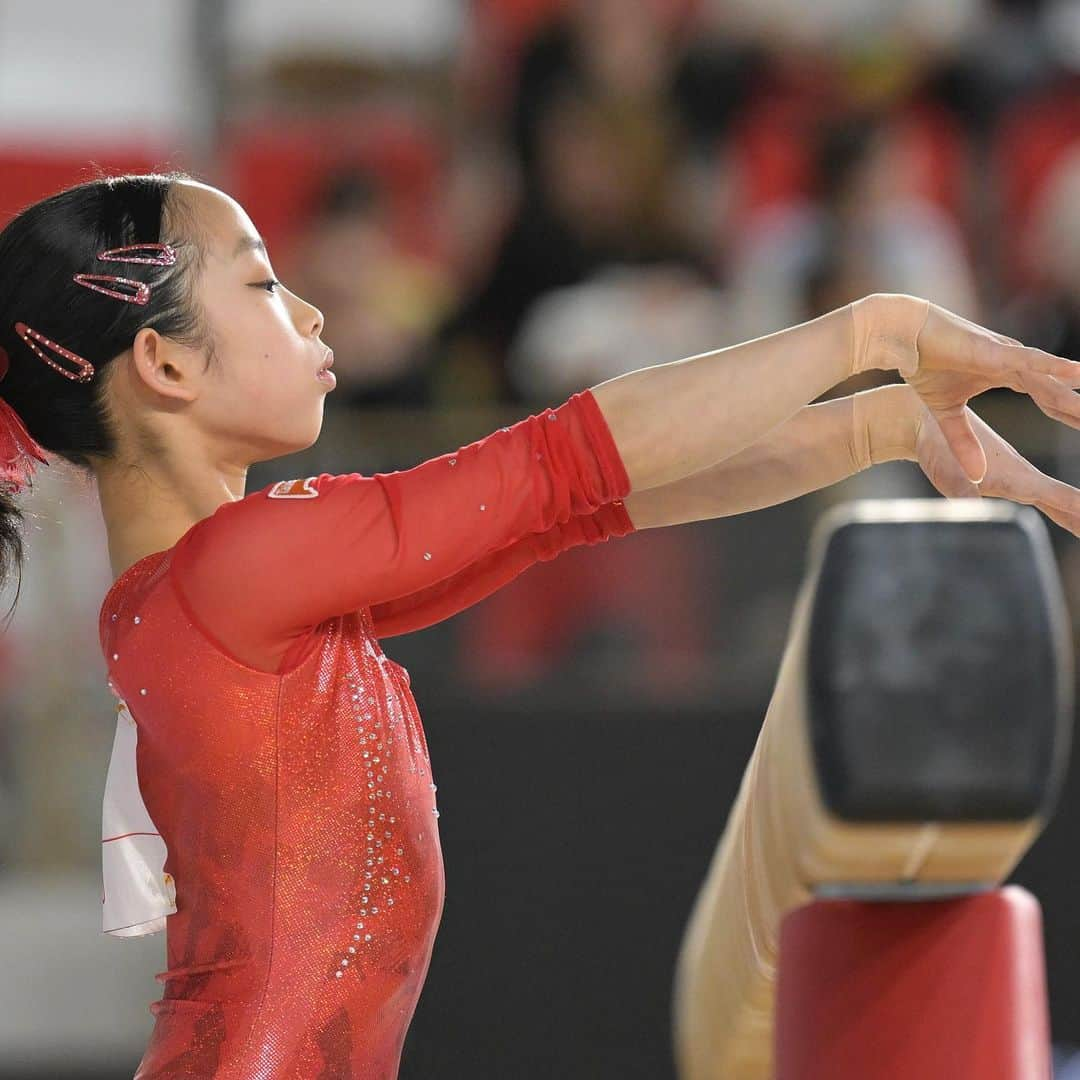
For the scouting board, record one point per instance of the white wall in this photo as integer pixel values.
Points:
(72, 997)
(395, 29)
(87, 72)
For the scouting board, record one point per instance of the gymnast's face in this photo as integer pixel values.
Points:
(261, 397)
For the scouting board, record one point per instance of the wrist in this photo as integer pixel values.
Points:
(885, 331)
(885, 425)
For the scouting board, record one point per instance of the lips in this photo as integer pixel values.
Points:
(328, 361)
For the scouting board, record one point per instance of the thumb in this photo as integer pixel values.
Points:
(965, 446)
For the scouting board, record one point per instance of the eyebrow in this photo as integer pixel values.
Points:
(249, 243)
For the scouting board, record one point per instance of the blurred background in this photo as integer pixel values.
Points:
(496, 204)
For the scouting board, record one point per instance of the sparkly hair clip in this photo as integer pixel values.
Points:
(165, 256)
(86, 369)
(128, 289)
(140, 293)
(134, 292)
(19, 451)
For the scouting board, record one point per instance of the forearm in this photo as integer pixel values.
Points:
(819, 446)
(673, 420)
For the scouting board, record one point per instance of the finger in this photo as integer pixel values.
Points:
(964, 445)
(1021, 345)
(1053, 397)
(1059, 495)
(1054, 414)
(1069, 522)
(1028, 358)
(1022, 482)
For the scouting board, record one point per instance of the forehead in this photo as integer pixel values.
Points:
(221, 219)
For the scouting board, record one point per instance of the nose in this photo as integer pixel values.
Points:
(311, 318)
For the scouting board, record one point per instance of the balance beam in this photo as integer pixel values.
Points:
(913, 749)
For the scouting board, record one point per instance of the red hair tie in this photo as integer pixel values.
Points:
(19, 453)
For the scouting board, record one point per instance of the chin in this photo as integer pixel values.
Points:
(296, 445)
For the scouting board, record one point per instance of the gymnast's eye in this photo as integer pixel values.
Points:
(268, 285)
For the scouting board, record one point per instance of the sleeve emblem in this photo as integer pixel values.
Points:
(294, 489)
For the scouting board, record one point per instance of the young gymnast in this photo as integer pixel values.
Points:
(270, 801)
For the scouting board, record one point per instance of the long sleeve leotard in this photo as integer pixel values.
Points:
(280, 755)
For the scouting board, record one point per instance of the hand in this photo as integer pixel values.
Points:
(947, 360)
(1008, 474)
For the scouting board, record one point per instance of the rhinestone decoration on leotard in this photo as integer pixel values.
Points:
(376, 767)
(375, 761)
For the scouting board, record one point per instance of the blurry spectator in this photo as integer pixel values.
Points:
(380, 302)
(614, 115)
(636, 52)
(1048, 316)
(842, 26)
(869, 229)
(652, 55)
(620, 49)
(621, 319)
(477, 204)
(1006, 54)
(605, 193)
(1060, 23)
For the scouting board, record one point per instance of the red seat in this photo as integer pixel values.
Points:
(774, 144)
(274, 167)
(515, 20)
(30, 173)
(649, 584)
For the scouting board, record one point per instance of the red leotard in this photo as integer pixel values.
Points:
(280, 753)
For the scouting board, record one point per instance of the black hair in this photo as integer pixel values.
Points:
(41, 249)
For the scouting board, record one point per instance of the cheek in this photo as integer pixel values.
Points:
(249, 386)
(276, 385)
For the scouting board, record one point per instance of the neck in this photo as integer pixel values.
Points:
(144, 514)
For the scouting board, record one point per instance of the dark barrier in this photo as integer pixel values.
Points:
(575, 842)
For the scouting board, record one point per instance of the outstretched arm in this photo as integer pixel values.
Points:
(483, 577)
(819, 446)
(672, 420)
